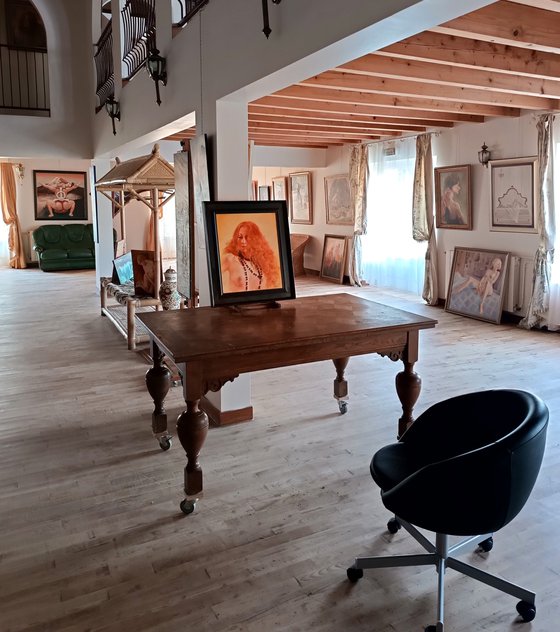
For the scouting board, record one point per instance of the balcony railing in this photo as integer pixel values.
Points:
(24, 79)
(139, 33)
(104, 66)
(183, 10)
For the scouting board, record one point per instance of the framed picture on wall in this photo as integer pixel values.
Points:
(264, 193)
(453, 197)
(337, 200)
(60, 195)
(513, 195)
(301, 207)
(477, 284)
(333, 261)
(279, 188)
(248, 249)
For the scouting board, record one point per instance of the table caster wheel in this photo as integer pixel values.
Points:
(342, 406)
(165, 442)
(354, 574)
(188, 506)
(487, 545)
(393, 525)
(527, 610)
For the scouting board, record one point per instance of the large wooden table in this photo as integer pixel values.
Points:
(213, 345)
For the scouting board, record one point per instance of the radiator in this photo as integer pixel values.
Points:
(518, 286)
(30, 254)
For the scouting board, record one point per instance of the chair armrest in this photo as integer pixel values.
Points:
(38, 248)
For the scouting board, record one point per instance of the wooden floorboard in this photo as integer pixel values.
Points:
(92, 538)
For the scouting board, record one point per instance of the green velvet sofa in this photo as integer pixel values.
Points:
(64, 247)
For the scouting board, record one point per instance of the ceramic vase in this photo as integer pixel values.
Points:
(168, 294)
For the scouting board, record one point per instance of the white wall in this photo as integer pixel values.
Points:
(506, 138)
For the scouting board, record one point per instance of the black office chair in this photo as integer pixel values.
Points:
(466, 466)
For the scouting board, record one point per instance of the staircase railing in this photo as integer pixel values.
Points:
(183, 10)
(24, 79)
(104, 65)
(139, 31)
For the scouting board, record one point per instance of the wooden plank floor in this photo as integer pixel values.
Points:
(91, 536)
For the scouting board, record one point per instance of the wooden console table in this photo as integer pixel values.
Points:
(213, 345)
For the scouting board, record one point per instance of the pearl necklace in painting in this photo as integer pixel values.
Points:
(253, 268)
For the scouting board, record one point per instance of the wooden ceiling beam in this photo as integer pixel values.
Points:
(465, 52)
(283, 114)
(394, 101)
(306, 124)
(403, 87)
(451, 75)
(549, 5)
(265, 143)
(321, 133)
(508, 23)
(274, 102)
(296, 138)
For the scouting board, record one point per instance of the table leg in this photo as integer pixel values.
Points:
(408, 385)
(158, 381)
(340, 385)
(192, 428)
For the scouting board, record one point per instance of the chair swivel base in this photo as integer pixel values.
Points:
(440, 554)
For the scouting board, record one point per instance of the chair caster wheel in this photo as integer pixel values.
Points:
(165, 442)
(188, 506)
(487, 545)
(393, 525)
(354, 574)
(430, 628)
(342, 407)
(527, 610)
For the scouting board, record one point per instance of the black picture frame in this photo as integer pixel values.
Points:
(60, 195)
(265, 274)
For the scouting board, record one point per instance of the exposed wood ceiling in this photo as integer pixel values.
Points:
(501, 60)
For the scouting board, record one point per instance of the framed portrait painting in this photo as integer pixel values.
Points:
(477, 284)
(333, 262)
(338, 203)
(248, 249)
(145, 270)
(452, 190)
(301, 206)
(513, 195)
(60, 195)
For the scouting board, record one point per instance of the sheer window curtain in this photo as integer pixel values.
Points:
(389, 255)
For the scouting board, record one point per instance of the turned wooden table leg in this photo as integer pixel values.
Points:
(340, 385)
(408, 385)
(192, 428)
(158, 381)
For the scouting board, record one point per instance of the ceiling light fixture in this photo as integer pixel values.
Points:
(156, 66)
(113, 108)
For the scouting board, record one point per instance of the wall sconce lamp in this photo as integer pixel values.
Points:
(113, 108)
(266, 27)
(156, 67)
(484, 155)
(20, 172)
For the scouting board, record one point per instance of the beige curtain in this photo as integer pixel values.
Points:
(423, 214)
(358, 185)
(537, 313)
(9, 215)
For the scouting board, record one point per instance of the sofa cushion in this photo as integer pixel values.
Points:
(80, 253)
(54, 253)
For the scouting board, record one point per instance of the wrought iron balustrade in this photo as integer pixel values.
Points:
(104, 65)
(24, 79)
(139, 33)
(183, 10)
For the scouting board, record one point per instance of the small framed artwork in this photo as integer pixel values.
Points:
(264, 193)
(248, 249)
(477, 284)
(279, 188)
(255, 189)
(120, 248)
(333, 262)
(337, 200)
(301, 206)
(453, 197)
(122, 269)
(145, 271)
(514, 197)
(60, 195)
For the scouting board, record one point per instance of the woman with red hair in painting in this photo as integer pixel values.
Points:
(248, 262)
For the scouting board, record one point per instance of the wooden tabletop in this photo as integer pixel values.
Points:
(194, 334)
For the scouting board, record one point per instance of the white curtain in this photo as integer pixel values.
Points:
(390, 256)
(167, 232)
(4, 252)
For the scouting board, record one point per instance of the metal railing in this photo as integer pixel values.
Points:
(183, 10)
(139, 33)
(24, 79)
(104, 68)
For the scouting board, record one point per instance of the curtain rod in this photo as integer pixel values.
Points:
(392, 140)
